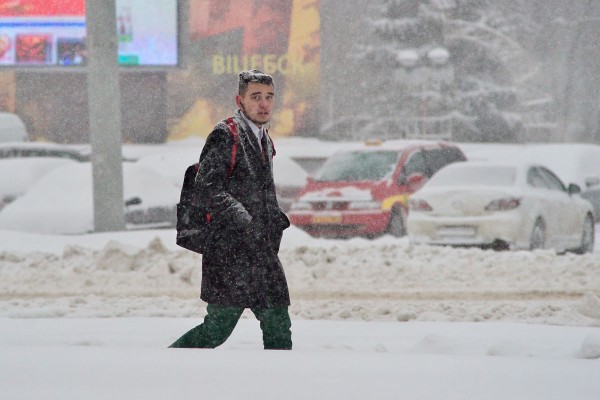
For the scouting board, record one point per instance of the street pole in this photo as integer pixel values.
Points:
(104, 115)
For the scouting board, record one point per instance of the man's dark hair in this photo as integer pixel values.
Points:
(252, 76)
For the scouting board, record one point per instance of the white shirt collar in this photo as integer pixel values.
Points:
(255, 129)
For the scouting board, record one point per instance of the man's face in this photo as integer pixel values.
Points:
(257, 102)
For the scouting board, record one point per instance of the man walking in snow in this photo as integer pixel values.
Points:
(241, 267)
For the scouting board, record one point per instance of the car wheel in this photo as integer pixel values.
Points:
(538, 236)
(397, 226)
(587, 237)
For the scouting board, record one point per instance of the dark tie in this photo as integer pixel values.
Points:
(263, 144)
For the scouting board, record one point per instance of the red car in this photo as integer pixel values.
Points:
(364, 191)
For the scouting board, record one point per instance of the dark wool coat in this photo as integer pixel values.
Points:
(240, 266)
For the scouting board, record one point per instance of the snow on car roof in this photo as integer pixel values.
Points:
(510, 163)
(25, 171)
(62, 200)
(571, 162)
(393, 145)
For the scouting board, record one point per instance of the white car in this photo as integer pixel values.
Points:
(289, 176)
(18, 174)
(577, 163)
(502, 206)
(61, 202)
(12, 128)
(289, 179)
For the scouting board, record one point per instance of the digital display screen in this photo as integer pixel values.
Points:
(42, 32)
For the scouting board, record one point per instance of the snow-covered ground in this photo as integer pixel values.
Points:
(125, 358)
(90, 317)
(123, 274)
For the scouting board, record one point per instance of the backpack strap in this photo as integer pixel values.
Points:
(234, 133)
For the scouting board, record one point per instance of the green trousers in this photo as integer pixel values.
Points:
(219, 322)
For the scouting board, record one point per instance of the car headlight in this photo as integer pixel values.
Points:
(364, 205)
(301, 206)
(505, 204)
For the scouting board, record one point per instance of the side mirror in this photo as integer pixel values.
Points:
(574, 189)
(134, 201)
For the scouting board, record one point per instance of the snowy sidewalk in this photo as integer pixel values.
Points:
(127, 359)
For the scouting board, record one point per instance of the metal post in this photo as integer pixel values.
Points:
(104, 115)
(183, 22)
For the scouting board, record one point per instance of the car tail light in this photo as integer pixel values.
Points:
(419, 205)
(505, 204)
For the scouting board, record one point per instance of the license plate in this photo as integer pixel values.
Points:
(327, 219)
(457, 231)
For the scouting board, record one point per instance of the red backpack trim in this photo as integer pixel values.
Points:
(236, 140)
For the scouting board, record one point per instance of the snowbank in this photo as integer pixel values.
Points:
(381, 280)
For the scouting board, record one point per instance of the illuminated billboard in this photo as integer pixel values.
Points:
(280, 37)
(42, 32)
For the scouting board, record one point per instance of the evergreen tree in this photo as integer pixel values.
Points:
(449, 69)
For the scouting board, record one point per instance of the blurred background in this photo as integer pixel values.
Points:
(508, 71)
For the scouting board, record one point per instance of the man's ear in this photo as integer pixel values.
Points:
(238, 101)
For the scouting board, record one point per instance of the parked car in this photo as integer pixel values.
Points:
(17, 175)
(172, 163)
(61, 202)
(290, 178)
(310, 161)
(12, 128)
(503, 206)
(363, 191)
(572, 162)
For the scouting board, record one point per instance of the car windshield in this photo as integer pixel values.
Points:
(468, 175)
(359, 166)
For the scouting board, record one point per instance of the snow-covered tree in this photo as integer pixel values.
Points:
(569, 52)
(451, 67)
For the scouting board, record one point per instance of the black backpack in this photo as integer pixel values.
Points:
(192, 217)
